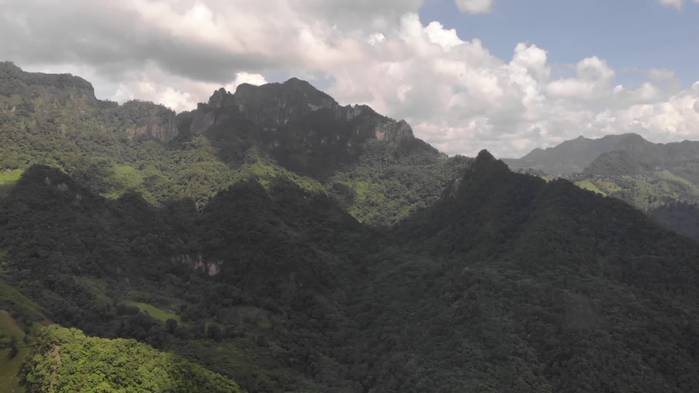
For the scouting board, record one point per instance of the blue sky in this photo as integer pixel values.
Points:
(632, 35)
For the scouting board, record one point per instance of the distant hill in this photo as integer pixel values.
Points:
(575, 155)
(647, 175)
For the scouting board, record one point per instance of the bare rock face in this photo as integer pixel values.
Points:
(299, 126)
(202, 120)
(199, 263)
(392, 131)
(276, 105)
(148, 121)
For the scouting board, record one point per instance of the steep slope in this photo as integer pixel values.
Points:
(372, 164)
(303, 129)
(541, 287)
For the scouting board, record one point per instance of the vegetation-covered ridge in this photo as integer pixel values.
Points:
(66, 361)
(292, 131)
(659, 179)
(235, 245)
(512, 283)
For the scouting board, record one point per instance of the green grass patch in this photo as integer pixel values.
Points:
(671, 177)
(11, 365)
(123, 178)
(589, 186)
(12, 299)
(267, 173)
(599, 186)
(66, 361)
(154, 312)
(8, 178)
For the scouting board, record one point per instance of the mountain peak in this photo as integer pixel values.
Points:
(485, 156)
(299, 83)
(485, 164)
(573, 156)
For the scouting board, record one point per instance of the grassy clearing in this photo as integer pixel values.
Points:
(154, 312)
(11, 298)
(672, 178)
(8, 178)
(10, 366)
(266, 174)
(589, 186)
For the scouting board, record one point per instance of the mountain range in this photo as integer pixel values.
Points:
(660, 179)
(273, 240)
(371, 163)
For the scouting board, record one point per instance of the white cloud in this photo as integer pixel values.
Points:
(245, 77)
(475, 6)
(454, 91)
(673, 3)
(677, 4)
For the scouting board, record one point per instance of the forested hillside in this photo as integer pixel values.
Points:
(372, 164)
(655, 178)
(249, 251)
(512, 283)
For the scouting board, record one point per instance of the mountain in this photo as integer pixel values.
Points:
(575, 155)
(543, 270)
(511, 283)
(301, 128)
(239, 255)
(372, 164)
(649, 176)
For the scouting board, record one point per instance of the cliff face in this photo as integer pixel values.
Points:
(149, 121)
(372, 163)
(15, 81)
(68, 102)
(299, 126)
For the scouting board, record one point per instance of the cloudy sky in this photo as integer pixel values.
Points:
(506, 75)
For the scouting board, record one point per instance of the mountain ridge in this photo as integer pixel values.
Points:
(654, 177)
(247, 251)
(285, 129)
(536, 277)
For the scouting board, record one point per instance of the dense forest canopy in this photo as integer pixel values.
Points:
(275, 241)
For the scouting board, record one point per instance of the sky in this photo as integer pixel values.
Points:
(504, 75)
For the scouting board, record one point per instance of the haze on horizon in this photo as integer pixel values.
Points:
(467, 74)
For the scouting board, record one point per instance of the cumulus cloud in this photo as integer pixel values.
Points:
(475, 6)
(454, 91)
(678, 4)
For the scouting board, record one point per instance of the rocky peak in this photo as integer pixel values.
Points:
(219, 98)
(393, 131)
(277, 104)
(13, 80)
(486, 162)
